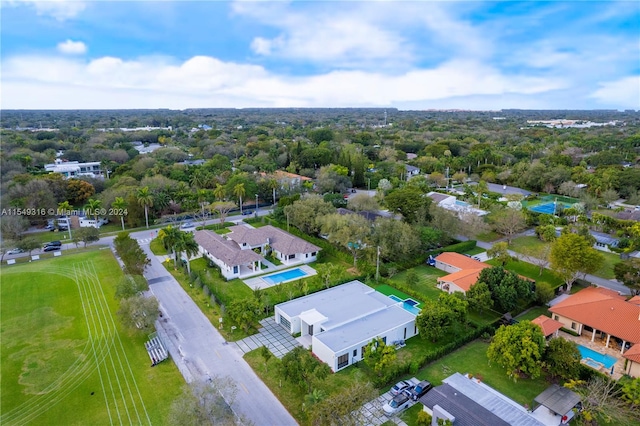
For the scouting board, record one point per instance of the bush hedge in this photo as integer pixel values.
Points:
(461, 247)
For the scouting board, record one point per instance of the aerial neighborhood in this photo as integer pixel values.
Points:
(357, 266)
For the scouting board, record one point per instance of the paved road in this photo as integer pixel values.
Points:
(202, 351)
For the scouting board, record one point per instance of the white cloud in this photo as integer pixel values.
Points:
(622, 93)
(70, 47)
(59, 9)
(202, 81)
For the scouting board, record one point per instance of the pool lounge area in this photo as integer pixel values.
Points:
(593, 354)
(280, 276)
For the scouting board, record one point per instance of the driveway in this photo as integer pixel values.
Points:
(200, 351)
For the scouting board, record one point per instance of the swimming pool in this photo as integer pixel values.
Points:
(408, 305)
(288, 275)
(590, 355)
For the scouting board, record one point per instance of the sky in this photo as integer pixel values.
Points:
(413, 55)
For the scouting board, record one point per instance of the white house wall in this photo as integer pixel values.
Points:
(327, 355)
(225, 269)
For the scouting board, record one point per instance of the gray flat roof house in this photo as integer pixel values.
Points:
(338, 322)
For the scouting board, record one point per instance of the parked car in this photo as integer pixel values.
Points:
(187, 225)
(419, 390)
(15, 251)
(399, 387)
(52, 248)
(53, 244)
(396, 405)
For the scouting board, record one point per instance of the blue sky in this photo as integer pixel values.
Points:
(411, 55)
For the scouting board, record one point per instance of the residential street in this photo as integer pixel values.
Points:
(200, 351)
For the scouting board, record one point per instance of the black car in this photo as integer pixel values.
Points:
(51, 248)
(53, 244)
(418, 390)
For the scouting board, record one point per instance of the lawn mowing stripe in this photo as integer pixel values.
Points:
(99, 288)
(100, 318)
(75, 376)
(104, 392)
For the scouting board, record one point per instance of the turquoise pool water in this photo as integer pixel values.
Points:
(408, 305)
(280, 277)
(589, 354)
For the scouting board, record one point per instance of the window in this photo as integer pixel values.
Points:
(311, 330)
(235, 269)
(314, 253)
(285, 323)
(415, 329)
(363, 350)
(384, 340)
(555, 317)
(355, 353)
(573, 326)
(306, 255)
(292, 256)
(343, 361)
(405, 332)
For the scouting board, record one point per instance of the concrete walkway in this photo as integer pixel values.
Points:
(271, 335)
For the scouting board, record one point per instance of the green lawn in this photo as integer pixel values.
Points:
(427, 279)
(472, 359)
(530, 271)
(533, 313)
(65, 358)
(520, 244)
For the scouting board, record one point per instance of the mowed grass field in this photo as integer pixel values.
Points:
(65, 358)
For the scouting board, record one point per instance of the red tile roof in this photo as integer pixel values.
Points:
(633, 354)
(469, 269)
(460, 261)
(548, 325)
(602, 309)
(463, 279)
(635, 300)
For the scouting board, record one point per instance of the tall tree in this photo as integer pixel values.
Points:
(119, 206)
(434, 320)
(571, 255)
(170, 236)
(345, 406)
(223, 208)
(187, 244)
(602, 402)
(139, 312)
(519, 349)
(412, 203)
(350, 231)
(93, 208)
(239, 191)
(205, 403)
(145, 199)
(508, 222)
(479, 297)
(500, 252)
(302, 368)
(562, 359)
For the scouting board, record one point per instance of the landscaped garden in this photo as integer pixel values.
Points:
(58, 324)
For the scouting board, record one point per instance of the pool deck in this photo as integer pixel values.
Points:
(258, 283)
(598, 346)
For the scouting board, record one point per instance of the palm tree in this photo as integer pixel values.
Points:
(187, 244)
(481, 188)
(119, 205)
(145, 199)
(273, 184)
(219, 192)
(239, 192)
(170, 237)
(93, 206)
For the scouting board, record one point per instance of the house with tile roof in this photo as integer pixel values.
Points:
(632, 366)
(463, 271)
(240, 252)
(604, 314)
(549, 326)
